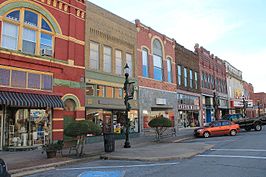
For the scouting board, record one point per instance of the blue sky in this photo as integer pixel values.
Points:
(233, 30)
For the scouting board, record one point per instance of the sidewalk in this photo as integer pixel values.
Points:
(142, 148)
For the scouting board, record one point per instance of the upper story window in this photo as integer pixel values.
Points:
(94, 56)
(169, 70)
(157, 60)
(185, 77)
(130, 64)
(190, 78)
(107, 59)
(16, 78)
(118, 62)
(145, 70)
(27, 31)
(179, 75)
(196, 80)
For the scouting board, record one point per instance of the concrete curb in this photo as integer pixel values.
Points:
(156, 159)
(50, 166)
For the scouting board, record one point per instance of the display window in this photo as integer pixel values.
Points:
(188, 119)
(148, 116)
(29, 127)
(113, 120)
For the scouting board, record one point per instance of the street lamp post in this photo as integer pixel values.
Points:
(258, 103)
(244, 106)
(126, 98)
(215, 103)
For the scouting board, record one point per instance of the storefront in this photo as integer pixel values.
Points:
(155, 103)
(113, 120)
(188, 111)
(26, 119)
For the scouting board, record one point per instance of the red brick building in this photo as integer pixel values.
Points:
(41, 69)
(213, 85)
(156, 72)
(249, 99)
(260, 103)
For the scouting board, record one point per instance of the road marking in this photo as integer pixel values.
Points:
(245, 150)
(233, 156)
(102, 174)
(123, 166)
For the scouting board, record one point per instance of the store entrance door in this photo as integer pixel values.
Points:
(1, 129)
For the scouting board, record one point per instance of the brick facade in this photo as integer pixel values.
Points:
(67, 20)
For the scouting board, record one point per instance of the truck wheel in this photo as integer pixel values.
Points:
(233, 132)
(258, 127)
(206, 134)
(248, 129)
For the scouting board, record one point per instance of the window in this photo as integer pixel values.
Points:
(118, 62)
(100, 91)
(190, 78)
(157, 60)
(185, 77)
(145, 70)
(34, 81)
(196, 80)
(9, 36)
(179, 74)
(226, 123)
(202, 79)
(4, 77)
(89, 90)
(107, 59)
(169, 70)
(36, 35)
(70, 105)
(119, 93)
(130, 64)
(13, 77)
(47, 82)
(29, 41)
(109, 92)
(94, 56)
(18, 79)
(46, 41)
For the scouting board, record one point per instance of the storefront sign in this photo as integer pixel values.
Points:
(239, 103)
(160, 101)
(187, 107)
(111, 102)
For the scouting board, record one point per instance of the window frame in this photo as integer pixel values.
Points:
(147, 61)
(169, 70)
(21, 25)
(105, 61)
(156, 56)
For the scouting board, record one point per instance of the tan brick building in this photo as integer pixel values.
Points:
(110, 44)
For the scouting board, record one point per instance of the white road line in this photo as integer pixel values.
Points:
(233, 156)
(123, 166)
(243, 150)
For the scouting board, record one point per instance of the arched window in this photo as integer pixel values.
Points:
(70, 105)
(27, 31)
(157, 60)
(145, 70)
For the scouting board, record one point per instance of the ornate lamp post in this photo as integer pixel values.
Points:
(128, 96)
(244, 106)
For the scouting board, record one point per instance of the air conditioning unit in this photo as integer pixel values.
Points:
(46, 52)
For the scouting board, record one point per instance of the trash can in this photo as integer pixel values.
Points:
(109, 142)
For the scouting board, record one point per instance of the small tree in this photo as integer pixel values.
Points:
(160, 124)
(80, 129)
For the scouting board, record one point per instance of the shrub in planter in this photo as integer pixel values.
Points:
(160, 124)
(80, 129)
(51, 149)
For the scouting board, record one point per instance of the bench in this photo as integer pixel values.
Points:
(71, 144)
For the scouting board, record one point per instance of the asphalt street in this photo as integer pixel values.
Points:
(242, 155)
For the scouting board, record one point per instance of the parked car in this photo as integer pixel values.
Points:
(219, 127)
(246, 122)
(3, 169)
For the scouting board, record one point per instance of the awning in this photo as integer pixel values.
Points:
(30, 100)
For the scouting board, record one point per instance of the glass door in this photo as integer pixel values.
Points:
(1, 129)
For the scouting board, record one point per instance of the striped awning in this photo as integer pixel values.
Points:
(30, 100)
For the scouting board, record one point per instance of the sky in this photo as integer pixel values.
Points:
(233, 30)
